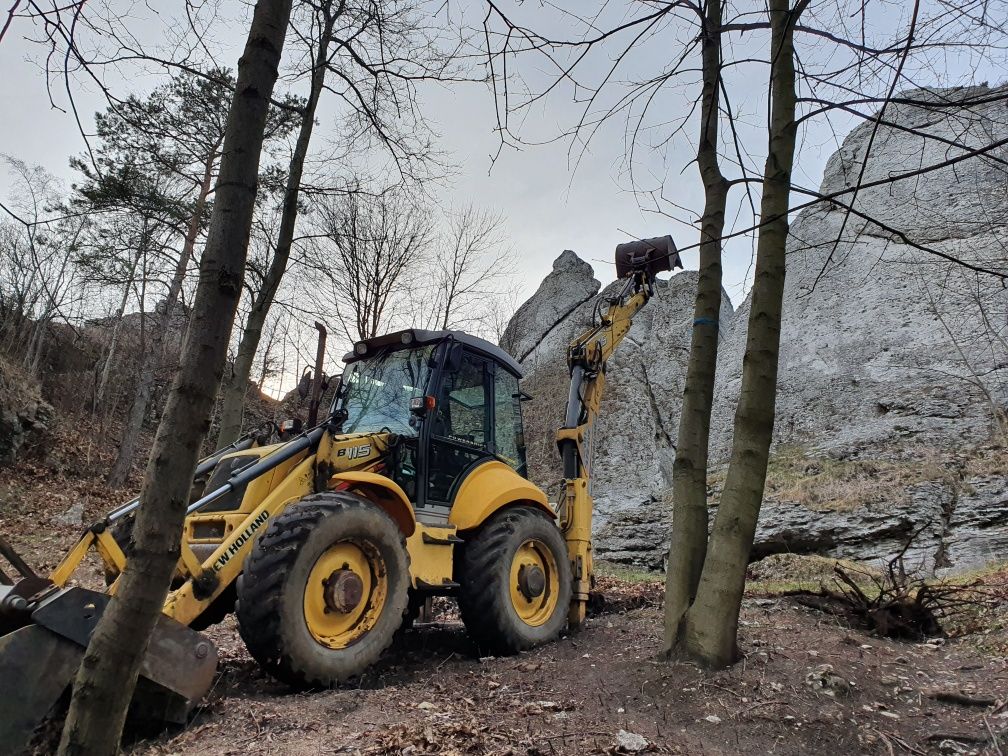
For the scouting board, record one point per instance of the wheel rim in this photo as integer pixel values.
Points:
(345, 593)
(534, 582)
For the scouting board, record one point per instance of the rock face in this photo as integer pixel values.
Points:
(23, 415)
(885, 347)
(571, 284)
(882, 339)
(635, 436)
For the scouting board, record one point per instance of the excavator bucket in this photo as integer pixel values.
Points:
(47, 630)
(650, 256)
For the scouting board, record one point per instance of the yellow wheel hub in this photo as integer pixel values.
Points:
(345, 593)
(534, 582)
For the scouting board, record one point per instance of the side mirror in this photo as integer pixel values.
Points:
(290, 428)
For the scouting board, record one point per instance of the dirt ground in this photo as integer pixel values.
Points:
(807, 683)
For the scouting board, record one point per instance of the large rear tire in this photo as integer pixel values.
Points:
(515, 582)
(323, 590)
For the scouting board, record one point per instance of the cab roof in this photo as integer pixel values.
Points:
(411, 337)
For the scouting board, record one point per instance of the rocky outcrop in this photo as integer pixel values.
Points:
(634, 439)
(24, 417)
(547, 315)
(950, 527)
(885, 346)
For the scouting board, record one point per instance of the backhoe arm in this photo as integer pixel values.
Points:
(636, 264)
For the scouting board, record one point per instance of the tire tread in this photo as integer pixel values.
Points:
(483, 602)
(260, 586)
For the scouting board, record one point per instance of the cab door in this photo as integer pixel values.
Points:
(460, 428)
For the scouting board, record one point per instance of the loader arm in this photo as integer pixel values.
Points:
(636, 264)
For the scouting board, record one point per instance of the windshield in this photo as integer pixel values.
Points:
(377, 391)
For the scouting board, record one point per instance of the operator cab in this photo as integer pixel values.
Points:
(451, 399)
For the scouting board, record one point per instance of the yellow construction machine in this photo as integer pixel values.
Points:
(325, 544)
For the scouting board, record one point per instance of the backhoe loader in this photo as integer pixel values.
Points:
(324, 545)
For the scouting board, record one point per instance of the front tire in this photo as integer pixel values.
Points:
(323, 590)
(515, 582)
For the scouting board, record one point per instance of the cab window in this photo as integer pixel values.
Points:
(461, 411)
(509, 441)
(459, 430)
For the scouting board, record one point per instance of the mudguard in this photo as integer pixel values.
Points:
(490, 487)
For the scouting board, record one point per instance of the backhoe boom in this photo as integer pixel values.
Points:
(637, 263)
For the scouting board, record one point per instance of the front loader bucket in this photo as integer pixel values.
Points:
(38, 662)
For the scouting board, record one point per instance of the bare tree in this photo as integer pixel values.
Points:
(235, 385)
(108, 674)
(466, 268)
(688, 546)
(711, 622)
(368, 253)
(39, 283)
(368, 58)
(850, 64)
(471, 262)
(497, 315)
(689, 470)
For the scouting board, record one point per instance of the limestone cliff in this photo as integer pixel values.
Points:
(889, 353)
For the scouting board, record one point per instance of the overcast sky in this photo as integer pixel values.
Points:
(547, 206)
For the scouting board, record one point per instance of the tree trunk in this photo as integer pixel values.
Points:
(114, 339)
(34, 355)
(108, 674)
(711, 623)
(236, 382)
(689, 471)
(155, 351)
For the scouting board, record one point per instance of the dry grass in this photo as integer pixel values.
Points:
(626, 574)
(984, 623)
(828, 484)
(780, 574)
(824, 483)
(992, 460)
